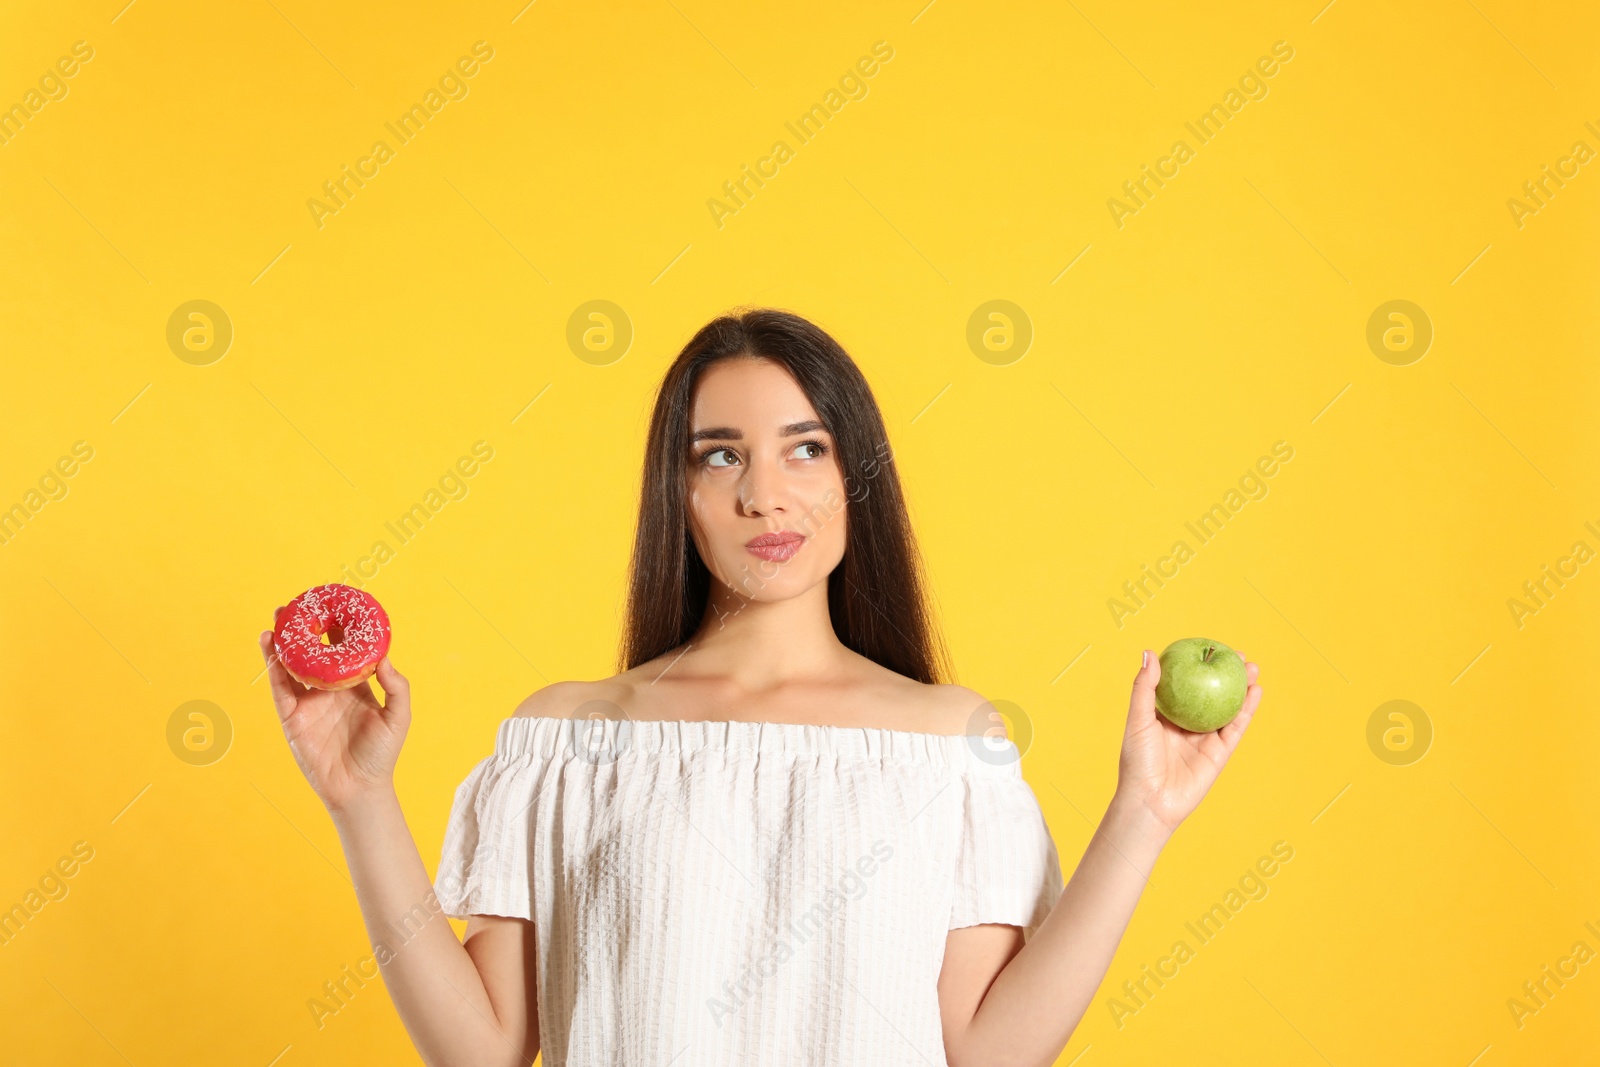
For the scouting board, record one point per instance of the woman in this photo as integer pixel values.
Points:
(775, 836)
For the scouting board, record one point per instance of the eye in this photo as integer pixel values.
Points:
(708, 458)
(821, 449)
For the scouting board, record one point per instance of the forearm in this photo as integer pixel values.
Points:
(1037, 1000)
(432, 980)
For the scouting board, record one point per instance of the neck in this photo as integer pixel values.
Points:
(760, 644)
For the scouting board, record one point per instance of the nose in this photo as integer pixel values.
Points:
(762, 490)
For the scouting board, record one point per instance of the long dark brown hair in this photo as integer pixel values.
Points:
(877, 595)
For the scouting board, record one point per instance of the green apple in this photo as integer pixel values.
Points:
(1202, 684)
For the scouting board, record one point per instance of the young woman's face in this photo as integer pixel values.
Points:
(762, 469)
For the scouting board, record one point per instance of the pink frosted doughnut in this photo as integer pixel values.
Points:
(357, 628)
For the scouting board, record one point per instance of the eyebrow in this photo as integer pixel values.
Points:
(733, 433)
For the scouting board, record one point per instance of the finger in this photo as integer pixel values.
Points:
(286, 692)
(396, 692)
(1233, 731)
(1142, 702)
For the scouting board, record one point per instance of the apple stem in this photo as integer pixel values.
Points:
(1205, 657)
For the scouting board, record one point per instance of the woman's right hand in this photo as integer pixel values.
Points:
(345, 742)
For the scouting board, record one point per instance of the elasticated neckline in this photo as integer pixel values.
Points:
(603, 740)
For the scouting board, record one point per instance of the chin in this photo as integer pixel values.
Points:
(785, 584)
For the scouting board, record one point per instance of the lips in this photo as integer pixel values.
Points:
(772, 540)
(777, 546)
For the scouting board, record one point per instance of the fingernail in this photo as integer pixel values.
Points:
(1144, 659)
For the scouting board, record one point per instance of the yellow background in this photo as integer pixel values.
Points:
(1228, 314)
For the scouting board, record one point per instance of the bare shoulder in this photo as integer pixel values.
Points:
(575, 699)
(937, 708)
(964, 711)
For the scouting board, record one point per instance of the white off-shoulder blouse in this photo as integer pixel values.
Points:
(744, 892)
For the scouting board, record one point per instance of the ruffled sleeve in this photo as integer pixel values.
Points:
(485, 866)
(1007, 869)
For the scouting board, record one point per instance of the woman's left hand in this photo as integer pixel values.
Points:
(1164, 768)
